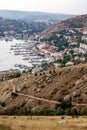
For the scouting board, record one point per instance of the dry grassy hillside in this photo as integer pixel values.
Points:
(44, 90)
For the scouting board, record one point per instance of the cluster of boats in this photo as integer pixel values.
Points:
(30, 53)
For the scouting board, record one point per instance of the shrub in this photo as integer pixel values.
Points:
(68, 112)
(3, 104)
(11, 110)
(74, 112)
(50, 72)
(40, 74)
(14, 94)
(59, 111)
(35, 74)
(65, 104)
(27, 111)
(17, 75)
(22, 104)
(85, 111)
(43, 73)
(54, 71)
(23, 72)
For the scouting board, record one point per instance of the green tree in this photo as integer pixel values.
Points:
(67, 58)
(71, 52)
(65, 104)
(74, 112)
(59, 111)
(68, 111)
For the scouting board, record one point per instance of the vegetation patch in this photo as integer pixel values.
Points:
(3, 104)
(14, 94)
(5, 127)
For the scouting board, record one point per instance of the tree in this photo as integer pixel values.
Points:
(65, 104)
(68, 111)
(74, 112)
(59, 111)
(18, 74)
(71, 52)
(67, 58)
(85, 111)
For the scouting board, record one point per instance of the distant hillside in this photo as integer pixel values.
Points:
(44, 91)
(12, 27)
(18, 22)
(76, 22)
(33, 16)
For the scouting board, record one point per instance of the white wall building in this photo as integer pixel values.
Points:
(83, 48)
(85, 32)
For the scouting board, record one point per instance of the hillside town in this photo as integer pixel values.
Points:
(63, 48)
(68, 47)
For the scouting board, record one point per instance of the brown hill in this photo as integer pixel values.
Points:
(76, 22)
(43, 91)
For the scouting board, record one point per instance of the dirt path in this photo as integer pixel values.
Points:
(43, 99)
(37, 98)
(49, 101)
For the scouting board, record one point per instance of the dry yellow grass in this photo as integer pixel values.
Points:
(42, 123)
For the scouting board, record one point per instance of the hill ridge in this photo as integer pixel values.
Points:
(74, 22)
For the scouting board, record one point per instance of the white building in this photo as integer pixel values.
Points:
(69, 63)
(83, 48)
(84, 38)
(85, 32)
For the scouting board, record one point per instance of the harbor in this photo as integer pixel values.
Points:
(21, 54)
